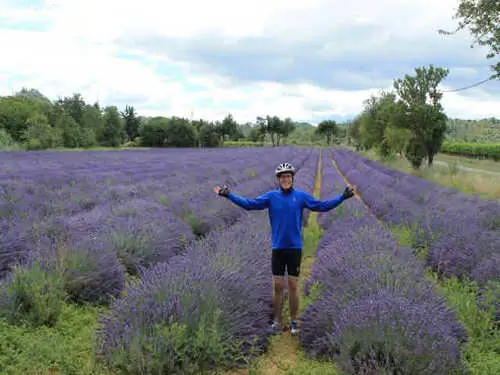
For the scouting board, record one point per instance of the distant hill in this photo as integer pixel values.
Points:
(303, 125)
(484, 131)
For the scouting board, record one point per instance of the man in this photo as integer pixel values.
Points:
(285, 207)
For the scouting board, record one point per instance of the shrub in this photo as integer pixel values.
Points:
(32, 294)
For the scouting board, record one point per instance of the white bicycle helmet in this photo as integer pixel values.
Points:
(284, 167)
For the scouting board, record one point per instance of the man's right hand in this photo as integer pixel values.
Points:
(222, 190)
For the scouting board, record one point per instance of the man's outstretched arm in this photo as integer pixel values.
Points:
(259, 203)
(315, 204)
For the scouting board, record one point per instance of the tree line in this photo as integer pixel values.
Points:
(32, 121)
(409, 121)
(485, 130)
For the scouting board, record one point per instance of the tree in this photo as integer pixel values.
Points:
(113, 133)
(70, 130)
(132, 123)
(153, 132)
(420, 111)
(92, 119)
(34, 95)
(262, 126)
(328, 129)
(274, 129)
(379, 112)
(238, 134)
(415, 152)
(207, 136)
(39, 134)
(228, 127)
(199, 124)
(397, 138)
(16, 110)
(353, 132)
(421, 88)
(287, 127)
(180, 133)
(74, 106)
(6, 141)
(482, 18)
(254, 134)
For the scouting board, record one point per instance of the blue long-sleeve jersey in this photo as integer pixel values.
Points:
(285, 213)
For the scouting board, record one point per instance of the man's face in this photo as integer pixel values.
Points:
(285, 180)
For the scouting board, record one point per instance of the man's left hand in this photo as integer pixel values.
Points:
(349, 191)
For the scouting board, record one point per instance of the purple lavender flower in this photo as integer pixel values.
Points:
(459, 231)
(199, 289)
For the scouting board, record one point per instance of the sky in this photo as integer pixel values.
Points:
(308, 60)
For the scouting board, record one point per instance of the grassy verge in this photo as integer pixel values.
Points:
(487, 186)
(481, 354)
(66, 348)
(484, 164)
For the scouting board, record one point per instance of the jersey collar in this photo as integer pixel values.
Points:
(290, 191)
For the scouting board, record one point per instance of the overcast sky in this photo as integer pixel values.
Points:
(309, 60)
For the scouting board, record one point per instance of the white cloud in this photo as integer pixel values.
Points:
(79, 53)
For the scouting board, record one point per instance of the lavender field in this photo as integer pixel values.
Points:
(179, 280)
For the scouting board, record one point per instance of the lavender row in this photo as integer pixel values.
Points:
(124, 235)
(206, 308)
(416, 190)
(331, 184)
(375, 312)
(460, 233)
(36, 199)
(41, 180)
(305, 177)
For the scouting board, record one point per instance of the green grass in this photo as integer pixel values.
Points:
(484, 164)
(481, 354)
(307, 366)
(486, 186)
(66, 348)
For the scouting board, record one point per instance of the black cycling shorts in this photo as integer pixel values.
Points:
(288, 259)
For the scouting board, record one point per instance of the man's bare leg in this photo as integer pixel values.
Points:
(293, 295)
(279, 285)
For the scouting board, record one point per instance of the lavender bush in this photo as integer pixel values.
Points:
(331, 184)
(188, 315)
(376, 313)
(387, 333)
(91, 273)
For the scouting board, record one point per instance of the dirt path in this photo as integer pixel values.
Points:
(468, 169)
(357, 196)
(282, 355)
